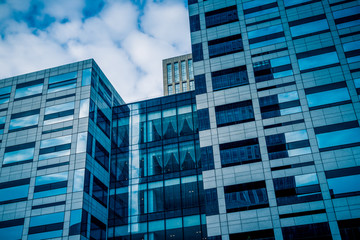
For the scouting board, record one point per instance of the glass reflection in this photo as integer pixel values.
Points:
(338, 138)
(24, 122)
(307, 28)
(86, 77)
(51, 178)
(78, 180)
(318, 61)
(352, 46)
(60, 108)
(349, 21)
(81, 142)
(186, 126)
(322, 98)
(187, 155)
(13, 193)
(344, 186)
(171, 158)
(289, 96)
(59, 113)
(155, 163)
(5, 94)
(154, 126)
(14, 232)
(263, 33)
(169, 123)
(296, 136)
(306, 179)
(55, 141)
(294, 2)
(18, 156)
(84, 108)
(259, 3)
(28, 91)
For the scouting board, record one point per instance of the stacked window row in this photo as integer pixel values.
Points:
(183, 83)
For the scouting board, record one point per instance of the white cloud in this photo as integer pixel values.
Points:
(130, 58)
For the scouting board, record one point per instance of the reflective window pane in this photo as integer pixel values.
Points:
(322, 98)
(62, 82)
(86, 77)
(24, 122)
(59, 113)
(19, 156)
(29, 91)
(317, 61)
(14, 194)
(84, 108)
(5, 94)
(81, 142)
(338, 138)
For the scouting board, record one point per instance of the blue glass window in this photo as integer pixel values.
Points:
(100, 192)
(266, 36)
(194, 23)
(289, 3)
(297, 189)
(343, 182)
(246, 196)
(338, 136)
(86, 77)
(259, 7)
(191, 70)
(62, 82)
(317, 59)
(200, 82)
(46, 226)
(230, 77)
(224, 46)
(272, 69)
(192, 85)
(347, 17)
(105, 93)
(311, 231)
(24, 120)
(50, 185)
(357, 85)
(221, 16)
(101, 155)
(212, 205)
(2, 124)
(203, 118)
(103, 122)
(5, 94)
(14, 191)
(288, 144)
(97, 229)
(350, 228)
(197, 52)
(21, 153)
(241, 152)
(12, 229)
(279, 105)
(318, 97)
(352, 51)
(59, 113)
(309, 26)
(55, 147)
(29, 89)
(78, 222)
(207, 158)
(169, 73)
(234, 113)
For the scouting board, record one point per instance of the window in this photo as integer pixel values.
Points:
(203, 118)
(342, 182)
(194, 23)
(177, 88)
(221, 16)
(279, 105)
(5, 94)
(187, 155)
(171, 158)
(309, 26)
(312, 231)
(59, 113)
(288, 144)
(55, 147)
(86, 77)
(24, 120)
(12, 229)
(62, 82)
(154, 126)
(105, 93)
(240, 152)
(212, 205)
(207, 158)
(169, 73)
(183, 71)
(317, 59)
(46, 226)
(103, 123)
(78, 223)
(234, 113)
(200, 82)
(21, 153)
(192, 85)
(100, 192)
(246, 196)
(101, 155)
(197, 52)
(357, 85)
(347, 17)
(97, 229)
(352, 51)
(259, 7)
(295, 3)
(78, 184)
(191, 71)
(256, 235)
(29, 89)
(318, 97)
(14, 191)
(184, 86)
(170, 128)
(224, 46)
(230, 77)
(338, 136)
(349, 229)
(50, 185)
(170, 90)
(272, 69)
(2, 124)
(297, 189)
(185, 120)
(266, 36)
(176, 72)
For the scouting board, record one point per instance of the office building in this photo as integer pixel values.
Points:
(178, 75)
(277, 85)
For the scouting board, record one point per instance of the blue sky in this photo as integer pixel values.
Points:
(127, 38)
